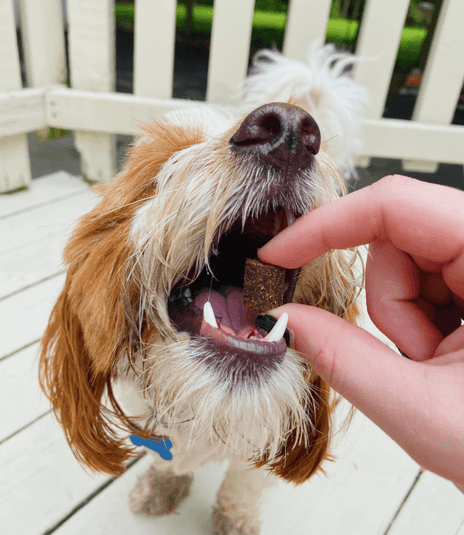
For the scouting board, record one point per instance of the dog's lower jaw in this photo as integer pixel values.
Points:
(222, 405)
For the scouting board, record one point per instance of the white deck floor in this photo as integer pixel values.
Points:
(373, 488)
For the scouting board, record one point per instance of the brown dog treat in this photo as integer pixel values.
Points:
(263, 285)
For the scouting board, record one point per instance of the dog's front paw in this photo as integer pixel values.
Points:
(233, 524)
(159, 493)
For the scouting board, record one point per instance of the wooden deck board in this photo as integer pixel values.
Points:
(21, 399)
(24, 315)
(373, 488)
(41, 482)
(431, 494)
(192, 517)
(45, 190)
(360, 495)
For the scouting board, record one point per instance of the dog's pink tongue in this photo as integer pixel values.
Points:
(231, 313)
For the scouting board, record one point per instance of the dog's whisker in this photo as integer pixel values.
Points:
(200, 192)
(331, 138)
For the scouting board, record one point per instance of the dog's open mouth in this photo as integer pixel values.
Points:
(213, 304)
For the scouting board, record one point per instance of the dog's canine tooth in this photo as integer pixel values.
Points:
(278, 330)
(208, 315)
(188, 294)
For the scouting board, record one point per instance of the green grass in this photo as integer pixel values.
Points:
(410, 48)
(12, 191)
(268, 28)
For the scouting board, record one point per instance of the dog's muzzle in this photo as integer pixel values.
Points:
(281, 135)
(285, 139)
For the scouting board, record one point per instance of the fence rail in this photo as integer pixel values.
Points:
(92, 108)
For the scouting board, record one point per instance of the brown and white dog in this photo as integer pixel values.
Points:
(128, 344)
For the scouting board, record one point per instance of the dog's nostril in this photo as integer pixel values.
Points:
(310, 135)
(281, 135)
(257, 128)
(271, 126)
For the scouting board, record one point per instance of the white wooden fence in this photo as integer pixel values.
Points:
(92, 108)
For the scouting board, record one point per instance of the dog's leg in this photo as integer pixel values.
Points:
(160, 490)
(239, 500)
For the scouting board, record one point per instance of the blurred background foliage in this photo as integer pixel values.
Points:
(194, 22)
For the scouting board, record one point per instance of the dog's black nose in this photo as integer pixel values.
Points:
(281, 135)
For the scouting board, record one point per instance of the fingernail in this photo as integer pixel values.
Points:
(274, 312)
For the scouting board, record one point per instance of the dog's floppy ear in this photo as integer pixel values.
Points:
(329, 282)
(96, 322)
(75, 384)
(87, 335)
(297, 461)
(89, 331)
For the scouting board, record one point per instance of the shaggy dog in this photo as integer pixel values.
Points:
(150, 335)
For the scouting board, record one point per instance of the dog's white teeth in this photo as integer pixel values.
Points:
(208, 315)
(188, 294)
(278, 330)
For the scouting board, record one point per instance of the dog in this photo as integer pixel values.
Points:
(151, 338)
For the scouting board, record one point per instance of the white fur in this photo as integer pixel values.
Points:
(169, 236)
(211, 120)
(200, 192)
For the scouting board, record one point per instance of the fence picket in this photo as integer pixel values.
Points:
(443, 76)
(97, 113)
(306, 22)
(154, 58)
(378, 40)
(15, 168)
(92, 64)
(230, 46)
(42, 38)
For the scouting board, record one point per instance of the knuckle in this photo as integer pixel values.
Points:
(394, 182)
(328, 359)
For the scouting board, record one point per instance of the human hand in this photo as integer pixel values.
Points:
(415, 296)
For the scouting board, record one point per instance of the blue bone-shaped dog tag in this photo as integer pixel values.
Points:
(158, 444)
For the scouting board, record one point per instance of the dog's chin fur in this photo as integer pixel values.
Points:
(157, 226)
(251, 418)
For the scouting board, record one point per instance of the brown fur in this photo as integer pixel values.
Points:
(90, 327)
(297, 461)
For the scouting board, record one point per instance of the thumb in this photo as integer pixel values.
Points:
(411, 401)
(362, 369)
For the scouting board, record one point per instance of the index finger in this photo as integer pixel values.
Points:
(422, 219)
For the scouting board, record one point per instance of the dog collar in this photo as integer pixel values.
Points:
(159, 444)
